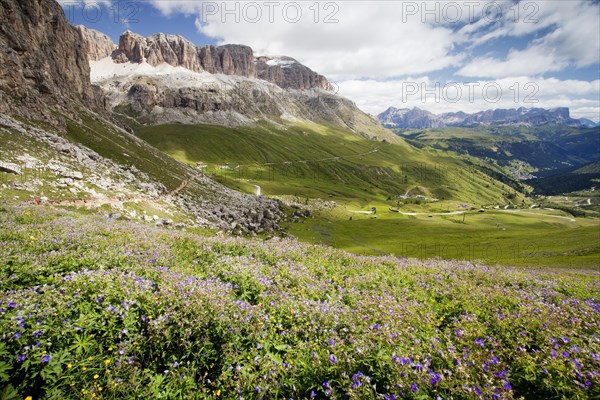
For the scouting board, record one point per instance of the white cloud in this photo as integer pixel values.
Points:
(381, 39)
(375, 45)
(573, 40)
(368, 39)
(535, 60)
(376, 96)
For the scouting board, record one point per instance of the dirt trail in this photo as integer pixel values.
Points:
(117, 202)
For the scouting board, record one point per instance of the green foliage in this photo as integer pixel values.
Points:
(170, 315)
(317, 161)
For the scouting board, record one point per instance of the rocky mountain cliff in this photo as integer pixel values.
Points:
(80, 158)
(97, 44)
(44, 62)
(417, 118)
(166, 78)
(230, 59)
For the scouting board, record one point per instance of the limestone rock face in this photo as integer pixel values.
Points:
(97, 44)
(289, 73)
(132, 47)
(229, 59)
(44, 62)
(237, 60)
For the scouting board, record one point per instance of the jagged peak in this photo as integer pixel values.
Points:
(228, 59)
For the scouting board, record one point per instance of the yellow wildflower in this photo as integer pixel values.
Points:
(96, 376)
(106, 362)
(69, 366)
(28, 398)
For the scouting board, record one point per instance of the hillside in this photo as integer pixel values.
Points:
(117, 310)
(539, 147)
(568, 180)
(316, 161)
(183, 221)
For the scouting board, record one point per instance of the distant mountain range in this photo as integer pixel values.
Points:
(417, 118)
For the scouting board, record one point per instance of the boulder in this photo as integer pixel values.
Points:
(10, 168)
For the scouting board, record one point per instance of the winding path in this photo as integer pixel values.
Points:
(570, 219)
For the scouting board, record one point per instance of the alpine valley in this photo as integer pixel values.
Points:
(199, 221)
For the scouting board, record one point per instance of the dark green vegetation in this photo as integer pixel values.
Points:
(106, 309)
(568, 180)
(542, 147)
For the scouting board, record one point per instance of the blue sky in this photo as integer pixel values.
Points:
(379, 52)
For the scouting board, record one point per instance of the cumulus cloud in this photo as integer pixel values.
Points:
(339, 39)
(438, 97)
(370, 48)
(572, 40)
(347, 40)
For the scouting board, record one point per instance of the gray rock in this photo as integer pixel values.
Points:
(44, 64)
(229, 59)
(98, 45)
(10, 168)
(75, 175)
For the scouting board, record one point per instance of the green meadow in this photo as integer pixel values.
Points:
(306, 162)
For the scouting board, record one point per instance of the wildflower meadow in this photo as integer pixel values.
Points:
(96, 308)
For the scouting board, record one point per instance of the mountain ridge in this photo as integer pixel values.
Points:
(167, 79)
(417, 118)
(227, 59)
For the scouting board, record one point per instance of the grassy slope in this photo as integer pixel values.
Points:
(357, 177)
(495, 237)
(360, 182)
(122, 310)
(117, 145)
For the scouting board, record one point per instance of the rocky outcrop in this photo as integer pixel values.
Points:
(414, 118)
(180, 52)
(289, 73)
(44, 62)
(97, 44)
(10, 168)
(236, 59)
(230, 59)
